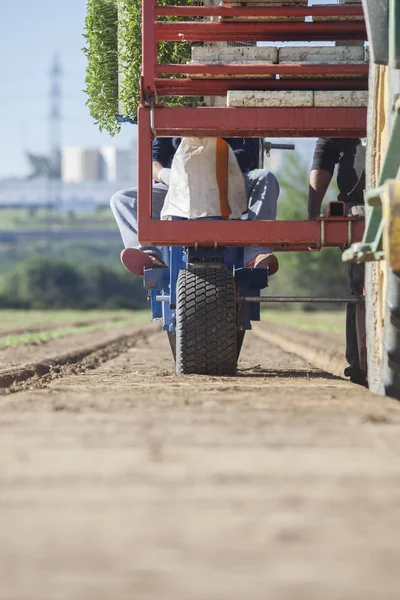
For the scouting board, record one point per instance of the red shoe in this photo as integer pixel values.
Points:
(264, 261)
(136, 261)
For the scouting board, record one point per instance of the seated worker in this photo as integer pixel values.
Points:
(262, 190)
(349, 154)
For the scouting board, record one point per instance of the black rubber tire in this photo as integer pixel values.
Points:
(384, 365)
(391, 359)
(383, 358)
(206, 326)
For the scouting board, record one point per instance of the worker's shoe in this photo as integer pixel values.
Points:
(136, 261)
(264, 261)
(356, 375)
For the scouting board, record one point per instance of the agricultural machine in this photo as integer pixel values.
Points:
(206, 298)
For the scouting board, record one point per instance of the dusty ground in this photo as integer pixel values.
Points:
(119, 480)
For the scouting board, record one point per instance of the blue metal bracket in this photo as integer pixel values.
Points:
(162, 283)
(155, 281)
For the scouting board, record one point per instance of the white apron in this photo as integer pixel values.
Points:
(205, 181)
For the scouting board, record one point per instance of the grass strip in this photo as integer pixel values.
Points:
(39, 337)
(28, 318)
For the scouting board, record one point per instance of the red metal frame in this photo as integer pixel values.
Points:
(227, 69)
(247, 31)
(281, 235)
(258, 122)
(260, 11)
(156, 120)
(220, 87)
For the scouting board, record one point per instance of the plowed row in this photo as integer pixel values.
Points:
(119, 480)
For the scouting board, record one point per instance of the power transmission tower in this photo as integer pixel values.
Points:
(54, 184)
(55, 117)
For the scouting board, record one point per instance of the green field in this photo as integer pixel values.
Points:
(43, 326)
(31, 318)
(42, 220)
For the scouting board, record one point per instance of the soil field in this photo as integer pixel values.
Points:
(121, 481)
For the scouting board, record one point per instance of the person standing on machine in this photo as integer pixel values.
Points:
(349, 154)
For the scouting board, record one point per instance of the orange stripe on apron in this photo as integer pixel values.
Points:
(222, 176)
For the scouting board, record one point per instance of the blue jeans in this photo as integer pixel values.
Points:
(262, 190)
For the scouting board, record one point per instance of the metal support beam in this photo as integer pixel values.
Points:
(229, 69)
(287, 299)
(392, 160)
(377, 21)
(220, 87)
(249, 31)
(149, 53)
(260, 122)
(302, 299)
(260, 11)
(144, 172)
(283, 236)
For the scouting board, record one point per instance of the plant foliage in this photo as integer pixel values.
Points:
(114, 54)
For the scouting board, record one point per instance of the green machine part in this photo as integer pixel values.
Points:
(383, 23)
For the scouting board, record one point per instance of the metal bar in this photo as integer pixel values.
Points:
(261, 69)
(257, 11)
(176, 264)
(308, 299)
(287, 299)
(281, 235)
(268, 146)
(376, 16)
(260, 122)
(220, 87)
(149, 50)
(392, 159)
(259, 31)
(144, 176)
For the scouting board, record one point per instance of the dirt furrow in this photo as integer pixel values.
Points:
(125, 481)
(98, 349)
(321, 349)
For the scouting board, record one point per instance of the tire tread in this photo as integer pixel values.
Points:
(206, 322)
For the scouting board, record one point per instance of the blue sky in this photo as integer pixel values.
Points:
(31, 32)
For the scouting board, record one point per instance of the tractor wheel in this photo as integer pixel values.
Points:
(206, 327)
(383, 331)
(382, 284)
(391, 344)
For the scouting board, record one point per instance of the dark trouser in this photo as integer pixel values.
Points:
(355, 327)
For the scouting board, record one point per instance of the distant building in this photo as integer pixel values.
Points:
(80, 164)
(104, 164)
(118, 164)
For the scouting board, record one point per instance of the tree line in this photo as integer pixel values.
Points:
(48, 283)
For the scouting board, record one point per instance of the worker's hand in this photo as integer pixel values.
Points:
(164, 176)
